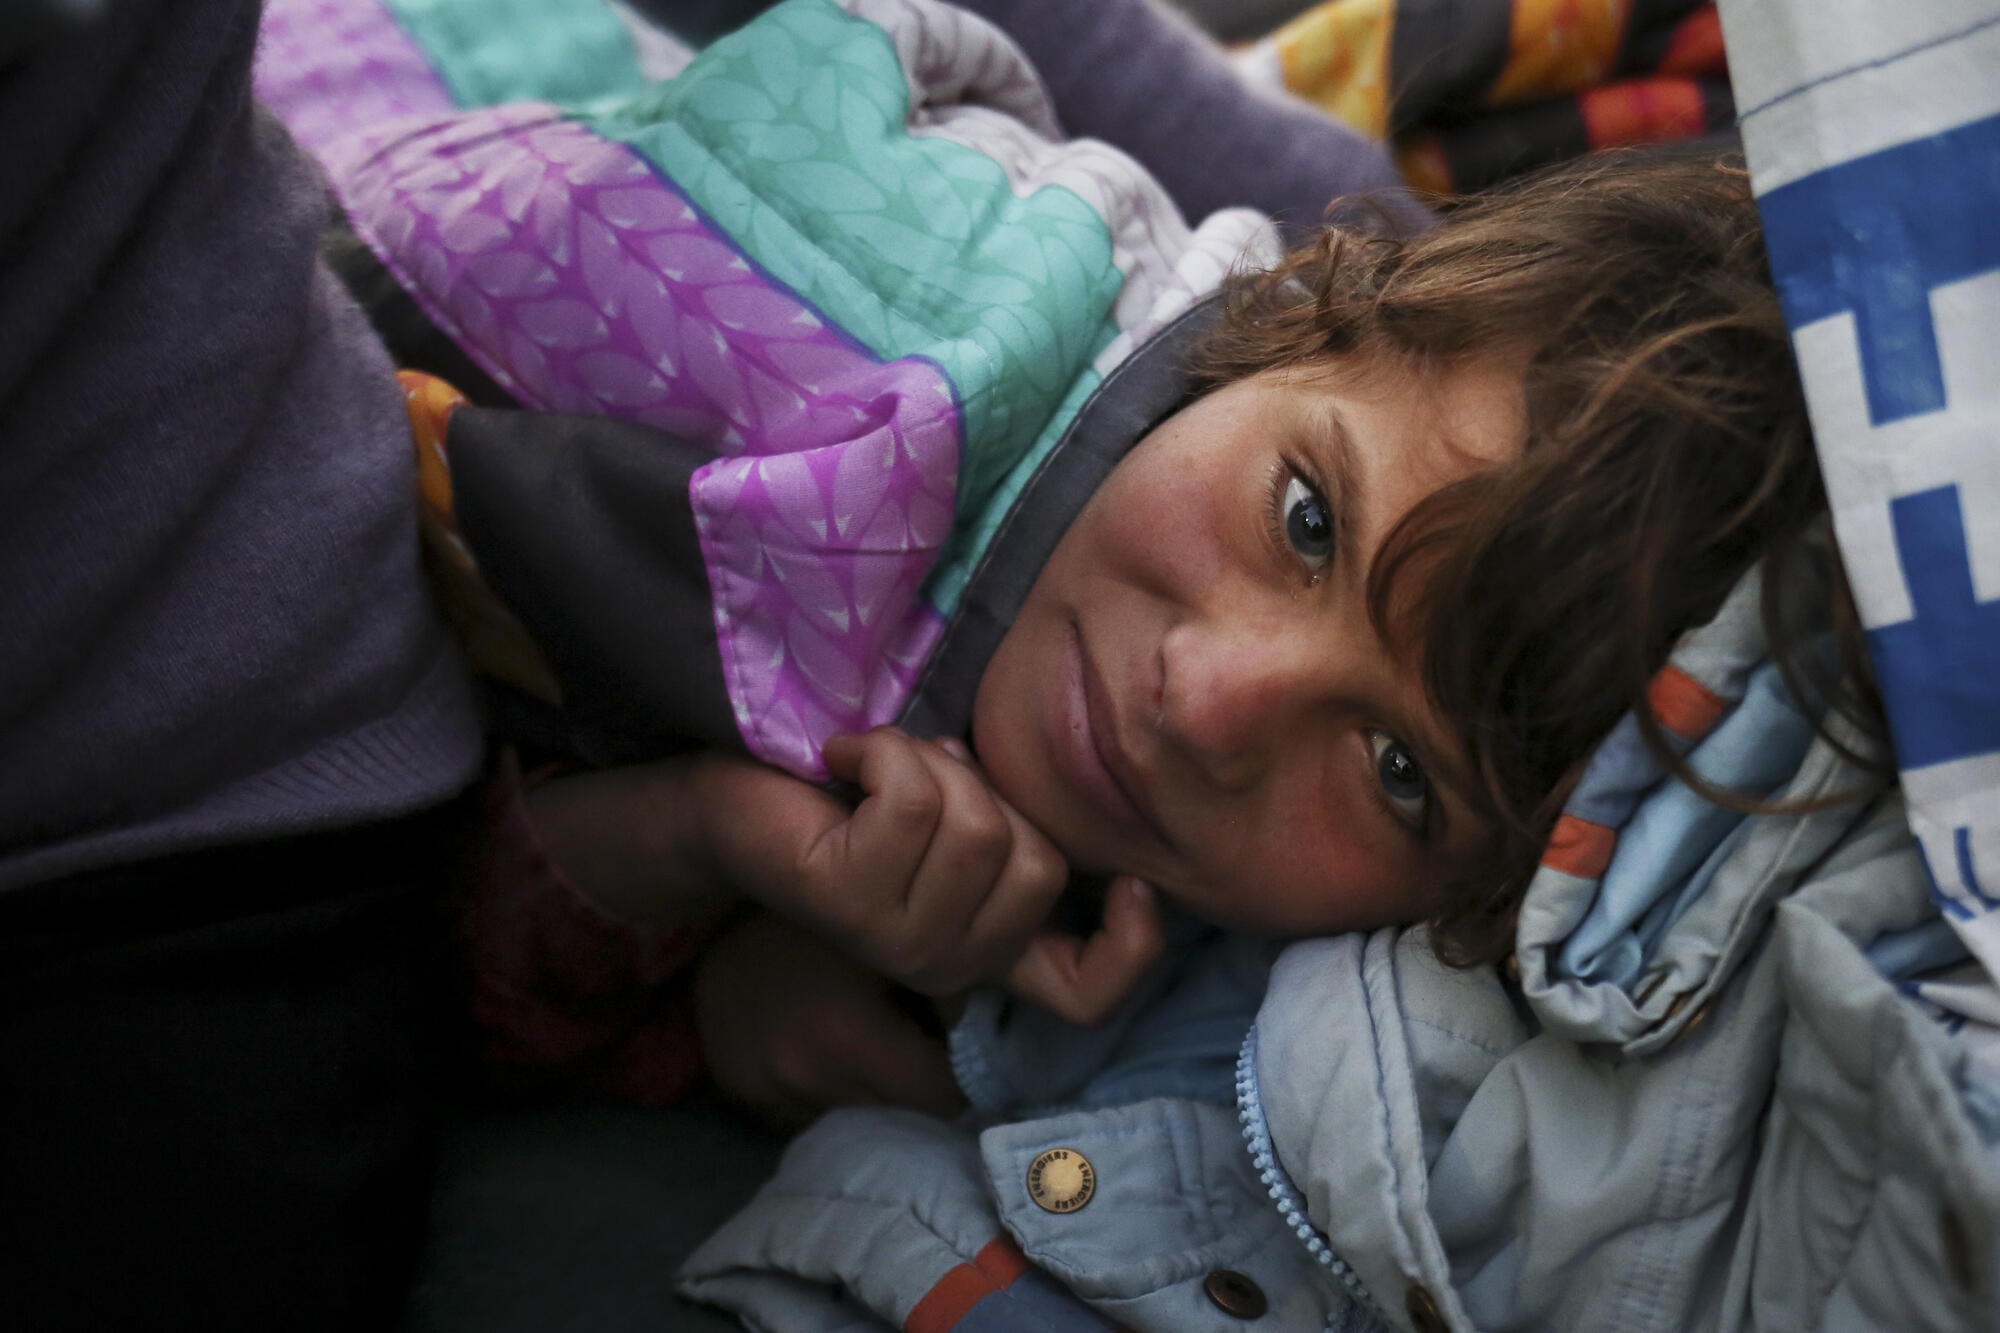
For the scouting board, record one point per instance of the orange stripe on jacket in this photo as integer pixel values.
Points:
(1002, 1261)
(1581, 848)
(995, 1268)
(1683, 705)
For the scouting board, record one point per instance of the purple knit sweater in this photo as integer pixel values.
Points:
(213, 621)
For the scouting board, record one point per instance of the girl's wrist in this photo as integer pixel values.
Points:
(634, 841)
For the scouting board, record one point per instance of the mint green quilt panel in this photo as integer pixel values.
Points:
(791, 136)
(496, 51)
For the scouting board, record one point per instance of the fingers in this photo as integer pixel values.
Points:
(1033, 879)
(842, 755)
(879, 849)
(1083, 980)
(936, 879)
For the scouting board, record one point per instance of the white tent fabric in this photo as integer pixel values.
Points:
(1873, 136)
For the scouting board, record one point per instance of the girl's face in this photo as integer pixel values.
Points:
(1193, 692)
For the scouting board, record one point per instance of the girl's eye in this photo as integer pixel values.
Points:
(1401, 776)
(1308, 523)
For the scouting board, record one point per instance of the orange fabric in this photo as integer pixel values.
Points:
(431, 402)
(493, 637)
(949, 1301)
(1683, 705)
(1558, 46)
(1422, 161)
(1581, 848)
(995, 1268)
(1002, 1261)
(1696, 46)
(1642, 111)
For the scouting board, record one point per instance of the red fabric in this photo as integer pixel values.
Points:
(1696, 46)
(1581, 848)
(995, 1268)
(1643, 111)
(563, 997)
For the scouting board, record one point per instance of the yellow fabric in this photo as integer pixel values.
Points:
(1337, 54)
(495, 640)
(1559, 46)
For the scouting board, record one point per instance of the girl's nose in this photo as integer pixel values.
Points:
(1233, 692)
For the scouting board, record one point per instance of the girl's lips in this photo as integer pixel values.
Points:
(1087, 747)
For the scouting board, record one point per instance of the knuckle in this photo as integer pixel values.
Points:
(1040, 866)
(986, 834)
(916, 803)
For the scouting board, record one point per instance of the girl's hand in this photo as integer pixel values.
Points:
(1082, 980)
(933, 879)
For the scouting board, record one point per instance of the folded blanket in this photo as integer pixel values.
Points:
(1474, 91)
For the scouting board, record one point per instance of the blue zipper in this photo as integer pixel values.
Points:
(1291, 1207)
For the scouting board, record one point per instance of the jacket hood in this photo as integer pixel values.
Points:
(1576, 1150)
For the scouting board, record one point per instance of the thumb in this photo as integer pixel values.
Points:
(842, 755)
(1083, 980)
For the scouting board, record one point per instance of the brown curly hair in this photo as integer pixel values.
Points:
(1667, 450)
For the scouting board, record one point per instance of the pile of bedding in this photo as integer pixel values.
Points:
(1474, 91)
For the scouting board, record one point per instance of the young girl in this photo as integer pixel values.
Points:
(1067, 257)
(1186, 655)
(1323, 646)
(1697, 1099)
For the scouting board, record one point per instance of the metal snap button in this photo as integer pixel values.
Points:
(1694, 1020)
(1061, 1180)
(1234, 1294)
(1423, 1310)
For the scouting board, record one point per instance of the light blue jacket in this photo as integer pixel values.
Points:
(1702, 1107)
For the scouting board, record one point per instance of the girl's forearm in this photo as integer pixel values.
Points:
(632, 840)
(559, 992)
